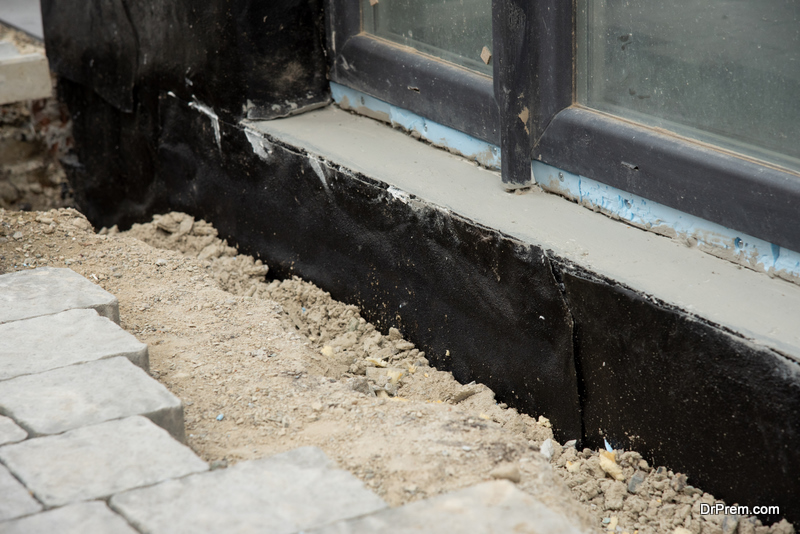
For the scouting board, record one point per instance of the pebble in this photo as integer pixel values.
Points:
(361, 384)
(610, 466)
(220, 417)
(636, 481)
(547, 449)
(506, 471)
(161, 261)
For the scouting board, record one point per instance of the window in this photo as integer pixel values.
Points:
(692, 104)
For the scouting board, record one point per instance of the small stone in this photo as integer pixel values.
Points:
(610, 466)
(729, 524)
(486, 55)
(634, 484)
(573, 443)
(544, 421)
(17, 235)
(327, 351)
(395, 335)
(612, 523)
(465, 392)
(220, 417)
(679, 482)
(218, 464)
(316, 406)
(507, 471)
(161, 261)
(547, 449)
(361, 385)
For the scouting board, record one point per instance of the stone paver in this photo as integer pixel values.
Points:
(15, 501)
(483, 509)
(81, 518)
(52, 341)
(10, 432)
(285, 493)
(49, 290)
(87, 394)
(97, 461)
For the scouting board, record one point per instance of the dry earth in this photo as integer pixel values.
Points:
(265, 366)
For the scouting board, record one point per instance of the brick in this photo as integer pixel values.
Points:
(86, 394)
(81, 518)
(49, 290)
(15, 500)
(52, 341)
(486, 508)
(285, 493)
(97, 461)
(10, 432)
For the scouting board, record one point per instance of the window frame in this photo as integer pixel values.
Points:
(534, 58)
(409, 79)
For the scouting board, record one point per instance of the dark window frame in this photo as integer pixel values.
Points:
(534, 50)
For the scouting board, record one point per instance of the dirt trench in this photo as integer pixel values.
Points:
(265, 366)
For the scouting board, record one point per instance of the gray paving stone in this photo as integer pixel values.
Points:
(10, 432)
(49, 290)
(81, 518)
(15, 500)
(285, 493)
(86, 394)
(52, 341)
(97, 461)
(483, 509)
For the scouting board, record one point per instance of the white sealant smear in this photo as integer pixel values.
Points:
(399, 194)
(318, 169)
(261, 147)
(202, 108)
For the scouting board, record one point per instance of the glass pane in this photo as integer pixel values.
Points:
(454, 30)
(725, 72)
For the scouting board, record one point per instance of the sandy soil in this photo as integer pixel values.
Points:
(265, 366)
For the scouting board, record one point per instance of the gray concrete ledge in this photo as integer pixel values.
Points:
(762, 309)
(49, 290)
(74, 336)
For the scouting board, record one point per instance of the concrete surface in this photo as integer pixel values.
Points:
(97, 461)
(487, 508)
(25, 15)
(10, 432)
(81, 518)
(15, 501)
(49, 290)
(23, 76)
(285, 493)
(760, 308)
(73, 336)
(81, 395)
